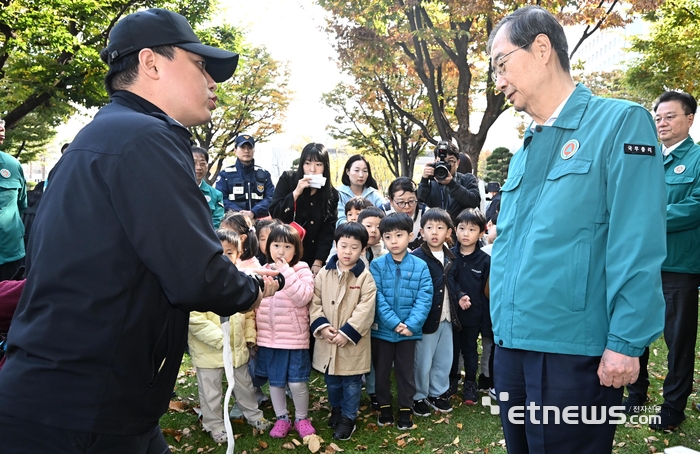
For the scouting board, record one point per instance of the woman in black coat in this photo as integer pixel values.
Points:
(315, 209)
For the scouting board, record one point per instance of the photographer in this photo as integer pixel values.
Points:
(441, 186)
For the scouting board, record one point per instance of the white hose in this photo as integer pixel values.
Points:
(228, 369)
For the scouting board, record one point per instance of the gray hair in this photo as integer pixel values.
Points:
(523, 26)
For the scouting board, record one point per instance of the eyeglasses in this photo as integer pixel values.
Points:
(410, 203)
(500, 68)
(668, 118)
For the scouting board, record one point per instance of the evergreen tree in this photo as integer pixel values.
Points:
(497, 165)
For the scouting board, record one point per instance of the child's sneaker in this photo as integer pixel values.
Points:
(405, 421)
(344, 429)
(440, 404)
(470, 395)
(219, 436)
(261, 424)
(304, 427)
(385, 415)
(421, 408)
(335, 417)
(281, 428)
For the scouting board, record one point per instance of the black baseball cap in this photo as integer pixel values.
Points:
(493, 186)
(244, 138)
(160, 27)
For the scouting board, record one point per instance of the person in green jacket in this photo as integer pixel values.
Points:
(680, 272)
(214, 197)
(13, 202)
(576, 269)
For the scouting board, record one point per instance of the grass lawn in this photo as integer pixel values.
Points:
(468, 429)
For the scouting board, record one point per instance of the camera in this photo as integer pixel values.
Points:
(279, 278)
(442, 169)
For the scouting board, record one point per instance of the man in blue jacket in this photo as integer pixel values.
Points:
(680, 272)
(247, 187)
(576, 269)
(120, 253)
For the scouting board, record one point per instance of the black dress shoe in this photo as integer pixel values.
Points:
(668, 419)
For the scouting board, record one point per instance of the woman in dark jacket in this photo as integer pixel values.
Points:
(315, 209)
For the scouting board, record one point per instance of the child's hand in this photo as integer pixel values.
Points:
(406, 332)
(340, 340)
(329, 333)
(400, 328)
(465, 302)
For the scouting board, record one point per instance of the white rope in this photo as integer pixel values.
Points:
(228, 369)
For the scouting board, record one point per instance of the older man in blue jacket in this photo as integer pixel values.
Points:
(674, 115)
(576, 269)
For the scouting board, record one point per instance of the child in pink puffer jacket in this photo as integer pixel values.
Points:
(283, 332)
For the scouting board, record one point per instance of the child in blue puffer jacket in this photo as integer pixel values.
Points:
(404, 298)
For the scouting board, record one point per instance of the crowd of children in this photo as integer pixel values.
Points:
(375, 307)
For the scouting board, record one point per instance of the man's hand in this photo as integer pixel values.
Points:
(428, 171)
(446, 180)
(617, 370)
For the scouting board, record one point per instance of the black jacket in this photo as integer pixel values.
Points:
(460, 193)
(439, 273)
(316, 215)
(469, 276)
(122, 248)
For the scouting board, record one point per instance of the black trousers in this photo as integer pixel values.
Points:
(401, 355)
(533, 380)
(680, 333)
(27, 437)
(465, 343)
(8, 270)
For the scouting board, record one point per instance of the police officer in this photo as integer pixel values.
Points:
(247, 188)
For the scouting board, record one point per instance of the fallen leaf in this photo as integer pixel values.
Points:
(621, 444)
(402, 436)
(361, 448)
(459, 425)
(296, 442)
(456, 441)
(441, 420)
(313, 442)
(176, 434)
(177, 405)
(263, 444)
(289, 445)
(401, 443)
(336, 447)
(666, 442)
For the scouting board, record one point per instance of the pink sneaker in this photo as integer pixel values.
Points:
(281, 428)
(304, 427)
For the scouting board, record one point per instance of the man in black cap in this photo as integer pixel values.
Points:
(121, 251)
(247, 188)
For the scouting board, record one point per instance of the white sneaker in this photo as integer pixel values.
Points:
(492, 394)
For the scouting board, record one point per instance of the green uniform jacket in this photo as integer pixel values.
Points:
(215, 200)
(13, 202)
(682, 167)
(576, 267)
